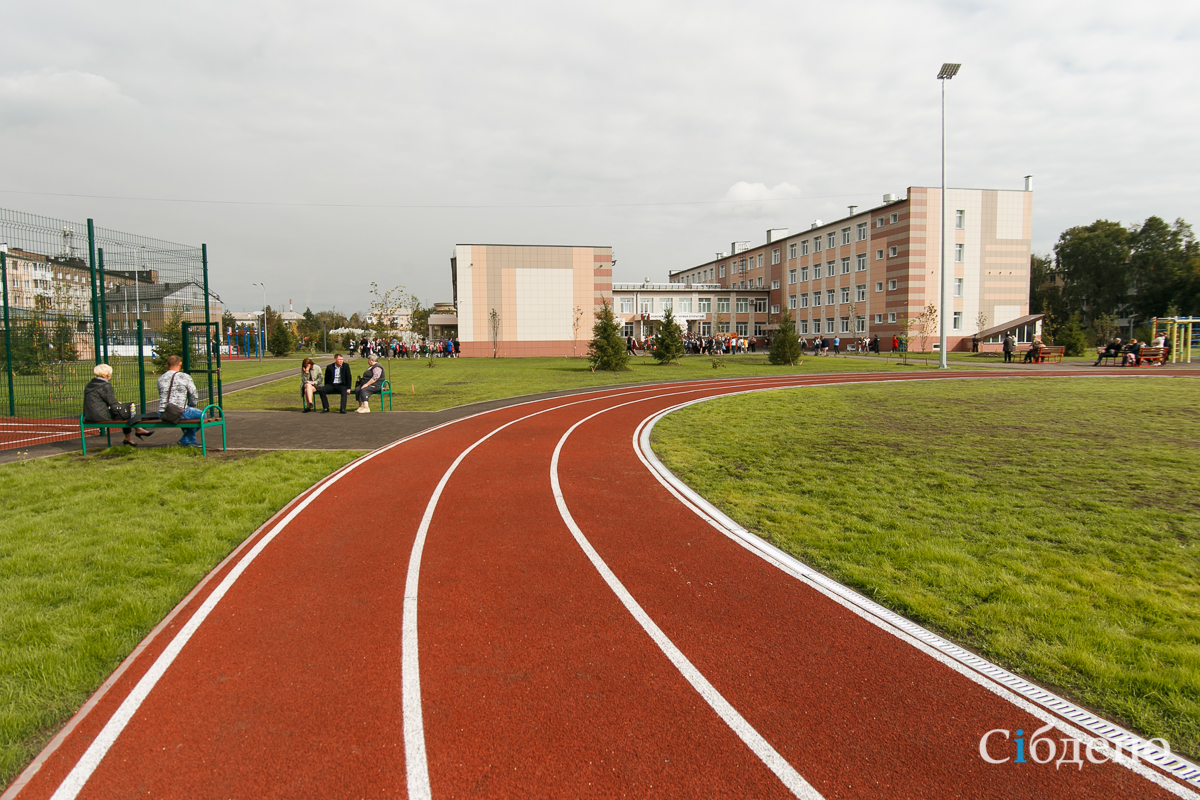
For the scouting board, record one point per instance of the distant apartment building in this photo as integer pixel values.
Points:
(528, 300)
(866, 273)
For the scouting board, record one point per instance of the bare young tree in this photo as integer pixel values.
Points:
(494, 329)
(575, 323)
(386, 308)
(927, 327)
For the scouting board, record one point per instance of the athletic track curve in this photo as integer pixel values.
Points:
(520, 604)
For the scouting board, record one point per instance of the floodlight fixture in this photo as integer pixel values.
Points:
(948, 71)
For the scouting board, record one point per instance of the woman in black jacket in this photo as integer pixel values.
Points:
(100, 404)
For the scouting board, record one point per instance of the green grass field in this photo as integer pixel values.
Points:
(458, 381)
(95, 551)
(1051, 525)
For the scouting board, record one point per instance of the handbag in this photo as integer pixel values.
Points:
(172, 412)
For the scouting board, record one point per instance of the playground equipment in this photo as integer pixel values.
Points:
(240, 343)
(1183, 336)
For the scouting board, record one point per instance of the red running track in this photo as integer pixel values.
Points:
(517, 605)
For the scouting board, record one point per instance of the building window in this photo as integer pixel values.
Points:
(743, 305)
(666, 303)
(743, 328)
(892, 285)
(743, 284)
(626, 331)
(742, 265)
(831, 240)
(816, 326)
(960, 219)
(891, 316)
(860, 324)
(845, 236)
(792, 250)
(879, 286)
(704, 305)
(958, 287)
(893, 251)
(758, 281)
(758, 329)
(804, 247)
(960, 253)
(829, 324)
(685, 305)
(879, 319)
(861, 262)
(845, 294)
(816, 271)
(861, 229)
(722, 327)
(792, 301)
(791, 276)
(829, 297)
(804, 301)
(816, 298)
(804, 273)
(804, 327)
(860, 293)
(760, 305)
(845, 266)
(844, 325)
(722, 266)
(760, 259)
(880, 222)
(879, 255)
(957, 321)
(647, 305)
(895, 217)
(775, 256)
(829, 265)
(816, 244)
(706, 329)
(775, 309)
(774, 284)
(626, 305)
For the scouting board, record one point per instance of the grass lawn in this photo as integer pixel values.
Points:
(90, 561)
(457, 381)
(1051, 525)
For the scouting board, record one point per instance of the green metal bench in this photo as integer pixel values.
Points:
(204, 423)
(385, 388)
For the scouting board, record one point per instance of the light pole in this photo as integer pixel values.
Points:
(263, 326)
(947, 72)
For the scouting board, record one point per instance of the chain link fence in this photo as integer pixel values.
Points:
(76, 295)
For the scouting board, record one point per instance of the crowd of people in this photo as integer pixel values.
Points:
(395, 348)
(725, 344)
(1130, 353)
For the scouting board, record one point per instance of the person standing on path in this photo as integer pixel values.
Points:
(176, 386)
(1010, 344)
(837, 346)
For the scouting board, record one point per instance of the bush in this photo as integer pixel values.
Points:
(169, 341)
(1071, 337)
(606, 350)
(668, 344)
(785, 347)
(282, 341)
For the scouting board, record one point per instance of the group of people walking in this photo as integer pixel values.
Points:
(394, 348)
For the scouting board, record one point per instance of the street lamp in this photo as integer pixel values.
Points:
(263, 326)
(947, 72)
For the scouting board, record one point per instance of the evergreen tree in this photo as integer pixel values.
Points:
(169, 341)
(281, 341)
(606, 350)
(668, 344)
(1071, 337)
(785, 348)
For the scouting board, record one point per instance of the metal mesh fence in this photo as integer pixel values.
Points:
(77, 295)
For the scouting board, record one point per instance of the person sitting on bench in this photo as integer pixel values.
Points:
(337, 379)
(1112, 350)
(1034, 353)
(370, 383)
(100, 404)
(176, 386)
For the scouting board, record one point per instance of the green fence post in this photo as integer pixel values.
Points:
(103, 302)
(207, 323)
(141, 368)
(95, 293)
(8, 365)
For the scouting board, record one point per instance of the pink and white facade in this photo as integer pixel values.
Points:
(545, 296)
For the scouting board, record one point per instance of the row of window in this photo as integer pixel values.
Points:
(703, 305)
(832, 297)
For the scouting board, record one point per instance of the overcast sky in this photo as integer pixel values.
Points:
(340, 143)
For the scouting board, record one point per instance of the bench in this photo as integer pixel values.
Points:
(1115, 359)
(385, 388)
(204, 423)
(1049, 352)
(1152, 356)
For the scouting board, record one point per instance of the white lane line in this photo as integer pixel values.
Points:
(415, 754)
(790, 778)
(1030, 698)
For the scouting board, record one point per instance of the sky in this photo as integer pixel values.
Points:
(317, 147)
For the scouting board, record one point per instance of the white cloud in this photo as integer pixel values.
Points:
(58, 97)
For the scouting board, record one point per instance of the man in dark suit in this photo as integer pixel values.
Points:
(337, 379)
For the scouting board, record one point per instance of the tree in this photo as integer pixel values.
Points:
(576, 318)
(606, 350)
(1071, 337)
(418, 318)
(668, 344)
(494, 328)
(927, 325)
(63, 340)
(785, 347)
(281, 340)
(1158, 263)
(387, 308)
(169, 341)
(1094, 263)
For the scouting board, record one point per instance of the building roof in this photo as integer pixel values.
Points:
(443, 319)
(1008, 326)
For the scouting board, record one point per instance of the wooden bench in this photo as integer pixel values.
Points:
(1151, 356)
(204, 423)
(1049, 352)
(1117, 359)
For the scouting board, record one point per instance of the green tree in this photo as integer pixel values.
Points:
(606, 350)
(169, 341)
(1094, 263)
(668, 344)
(30, 347)
(785, 347)
(1158, 263)
(280, 341)
(1071, 337)
(64, 340)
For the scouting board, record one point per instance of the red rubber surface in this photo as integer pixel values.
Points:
(535, 679)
